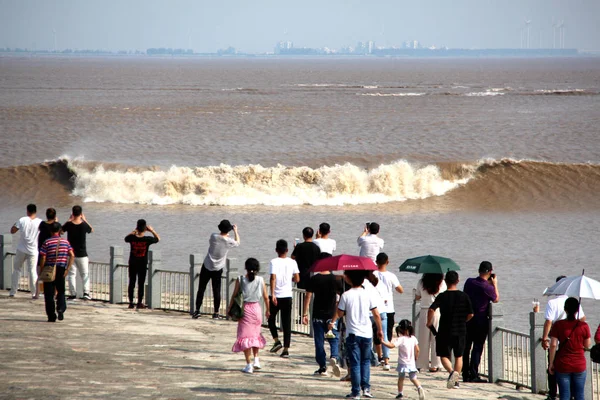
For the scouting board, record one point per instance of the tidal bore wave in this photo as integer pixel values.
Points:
(491, 184)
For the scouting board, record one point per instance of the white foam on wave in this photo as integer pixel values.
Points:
(560, 91)
(488, 92)
(256, 185)
(390, 94)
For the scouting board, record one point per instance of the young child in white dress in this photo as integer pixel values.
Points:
(408, 351)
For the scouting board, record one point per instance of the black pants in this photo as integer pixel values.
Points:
(139, 272)
(285, 306)
(215, 277)
(552, 385)
(477, 331)
(390, 325)
(49, 288)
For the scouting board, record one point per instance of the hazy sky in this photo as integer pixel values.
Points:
(255, 26)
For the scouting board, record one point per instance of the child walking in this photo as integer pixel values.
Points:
(408, 351)
(249, 336)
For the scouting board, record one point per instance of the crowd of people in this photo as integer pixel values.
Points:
(353, 312)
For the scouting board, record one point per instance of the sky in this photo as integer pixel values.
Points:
(256, 26)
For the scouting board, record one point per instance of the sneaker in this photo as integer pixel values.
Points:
(131, 306)
(399, 396)
(353, 396)
(335, 368)
(34, 297)
(386, 367)
(452, 379)
(71, 297)
(276, 347)
(86, 296)
(256, 365)
(11, 295)
(196, 314)
(321, 372)
(479, 380)
(216, 316)
(421, 393)
(248, 369)
(367, 393)
(141, 306)
(456, 386)
(285, 354)
(61, 316)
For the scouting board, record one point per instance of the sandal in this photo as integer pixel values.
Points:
(434, 370)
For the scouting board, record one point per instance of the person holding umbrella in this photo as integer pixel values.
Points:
(568, 361)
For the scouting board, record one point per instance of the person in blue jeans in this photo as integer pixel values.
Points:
(323, 289)
(355, 304)
(567, 361)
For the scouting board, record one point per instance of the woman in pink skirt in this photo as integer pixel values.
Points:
(249, 336)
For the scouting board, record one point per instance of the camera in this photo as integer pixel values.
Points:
(368, 225)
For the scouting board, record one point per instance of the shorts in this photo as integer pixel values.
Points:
(445, 346)
(411, 375)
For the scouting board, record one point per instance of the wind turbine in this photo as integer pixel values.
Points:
(527, 22)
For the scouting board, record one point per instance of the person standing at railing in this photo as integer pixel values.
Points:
(325, 243)
(369, 243)
(45, 234)
(249, 336)
(77, 228)
(567, 360)
(428, 288)
(138, 259)
(219, 245)
(481, 290)
(27, 250)
(283, 272)
(555, 311)
(59, 253)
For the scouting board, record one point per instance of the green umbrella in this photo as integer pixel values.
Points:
(429, 265)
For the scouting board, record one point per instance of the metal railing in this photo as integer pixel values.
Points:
(516, 358)
(209, 299)
(175, 290)
(99, 280)
(298, 296)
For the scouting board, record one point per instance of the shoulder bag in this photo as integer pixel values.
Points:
(237, 307)
(48, 273)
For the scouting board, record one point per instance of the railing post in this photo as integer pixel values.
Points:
(589, 387)
(6, 265)
(116, 284)
(539, 377)
(416, 315)
(195, 265)
(232, 273)
(495, 348)
(154, 294)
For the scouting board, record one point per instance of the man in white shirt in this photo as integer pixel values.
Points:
(387, 285)
(214, 262)
(555, 311)
(370, 244)
(356, 304)
(326, 244)
(27, 250)
(283, 272)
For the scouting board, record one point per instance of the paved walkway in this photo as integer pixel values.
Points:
(103, 351)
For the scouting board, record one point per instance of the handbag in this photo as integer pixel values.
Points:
(595, 353)
(236, 311)
(48, 273)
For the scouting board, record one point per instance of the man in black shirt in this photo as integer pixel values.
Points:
(305, 254)
(325, 288)
(138, 259)
(455, 310)
(77, 228)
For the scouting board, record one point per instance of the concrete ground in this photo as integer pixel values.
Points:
(103, 351)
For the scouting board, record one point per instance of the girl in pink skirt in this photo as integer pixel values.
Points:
(249, 336)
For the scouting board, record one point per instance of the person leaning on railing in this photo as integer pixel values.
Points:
(567, 361)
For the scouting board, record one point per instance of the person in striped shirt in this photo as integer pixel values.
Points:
(56, 250)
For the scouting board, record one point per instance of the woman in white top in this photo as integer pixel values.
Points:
(249, 336)
(429, 286)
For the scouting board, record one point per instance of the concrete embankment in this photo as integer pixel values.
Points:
(103, 351)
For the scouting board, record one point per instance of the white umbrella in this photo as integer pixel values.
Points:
(575, 286)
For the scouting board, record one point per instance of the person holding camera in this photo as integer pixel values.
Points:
(370, 244)
(481, 291)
